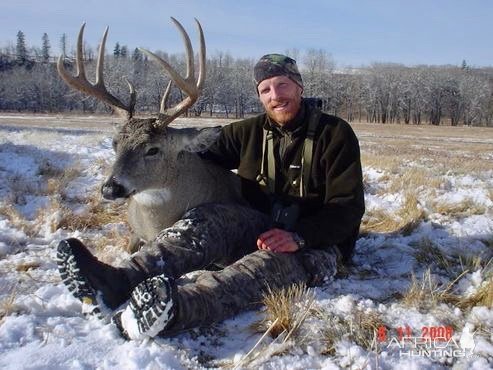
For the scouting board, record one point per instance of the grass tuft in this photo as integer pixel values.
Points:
(360, 327)
(429, 254)
(404, 221)
(414, 178)
(7, 304)
(24, 267)
(288, 308)
(483, 296)
(96, 214)
(57, 181)
(462, 209)
(30, 228)
(426, 293)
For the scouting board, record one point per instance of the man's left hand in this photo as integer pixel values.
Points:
(277, 240)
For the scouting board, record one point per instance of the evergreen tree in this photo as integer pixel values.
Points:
(137, 55)
(21, 49)
(124, 51)
(117, 50)
(63, 44)
(464, 65)
(45, 49)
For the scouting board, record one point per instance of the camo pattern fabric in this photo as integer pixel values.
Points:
(271, 65)
(208, 235)
(218, 295)
(226, 235)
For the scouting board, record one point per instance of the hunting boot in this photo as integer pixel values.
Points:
(151, 309)
(88, 279)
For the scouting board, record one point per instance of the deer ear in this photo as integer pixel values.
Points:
(200, 140)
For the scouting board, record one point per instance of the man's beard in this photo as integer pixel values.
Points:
(284, 116)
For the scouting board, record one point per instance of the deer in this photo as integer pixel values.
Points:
(156, 167)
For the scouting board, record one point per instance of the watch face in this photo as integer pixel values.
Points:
(299, 240)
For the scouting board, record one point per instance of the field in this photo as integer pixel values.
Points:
(418, 294)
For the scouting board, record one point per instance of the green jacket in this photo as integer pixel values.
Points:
(331, 213)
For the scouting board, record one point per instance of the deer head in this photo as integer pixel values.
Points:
(146, 148)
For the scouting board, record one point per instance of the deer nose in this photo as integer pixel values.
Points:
(112, 189)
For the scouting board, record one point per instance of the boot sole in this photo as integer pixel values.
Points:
(150, 310)
(76, 283)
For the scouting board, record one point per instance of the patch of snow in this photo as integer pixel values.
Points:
(41, 324)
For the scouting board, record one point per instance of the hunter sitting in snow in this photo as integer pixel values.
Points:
(301, 176)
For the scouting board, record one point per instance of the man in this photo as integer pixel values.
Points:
(301, 175)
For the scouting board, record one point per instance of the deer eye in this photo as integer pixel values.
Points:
(152, 151)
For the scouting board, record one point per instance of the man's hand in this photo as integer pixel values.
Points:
(277, 240)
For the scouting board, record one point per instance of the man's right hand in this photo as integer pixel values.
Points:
(277, 240)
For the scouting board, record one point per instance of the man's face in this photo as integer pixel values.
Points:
(281, 98)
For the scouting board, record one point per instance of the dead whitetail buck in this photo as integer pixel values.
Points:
(156, 166)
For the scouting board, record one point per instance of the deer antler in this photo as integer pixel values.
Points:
(188, 84)
(98, 89)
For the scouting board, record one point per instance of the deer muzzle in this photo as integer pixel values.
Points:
(112, 190)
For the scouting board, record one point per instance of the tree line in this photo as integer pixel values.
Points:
(380, 92)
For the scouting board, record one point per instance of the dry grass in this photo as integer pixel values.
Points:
(288, 308)
(57, 181)
(53, 184)
(286, 311)
(462, 209)
(414, 178)
(113, 237)
(7, 305)
(426, 293)
(428, 254)
(48, 170)
(24, 267)
(404, 221)
(483, 296)
(30, 228)
(388, 163)
(20, 186)
(474, 263)
(96, 214)
(361, 328)
(400, 149)
(467, 164)
(62, 211)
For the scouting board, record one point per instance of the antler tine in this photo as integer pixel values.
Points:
(81, 71)
(202, 57)
(188, 83)
(100, 62)
(180, 81)
(98, 90)
(188, 48)
(164, 100)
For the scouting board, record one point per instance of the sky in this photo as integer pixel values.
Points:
(355, 33)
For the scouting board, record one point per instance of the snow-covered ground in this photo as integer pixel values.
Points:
(41, 325)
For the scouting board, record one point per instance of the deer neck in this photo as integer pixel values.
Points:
(153, 197)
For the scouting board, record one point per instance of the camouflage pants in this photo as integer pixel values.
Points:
(225, 236)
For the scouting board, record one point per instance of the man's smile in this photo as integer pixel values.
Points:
(280, 106)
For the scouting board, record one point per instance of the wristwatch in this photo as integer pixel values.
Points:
(299, 240)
